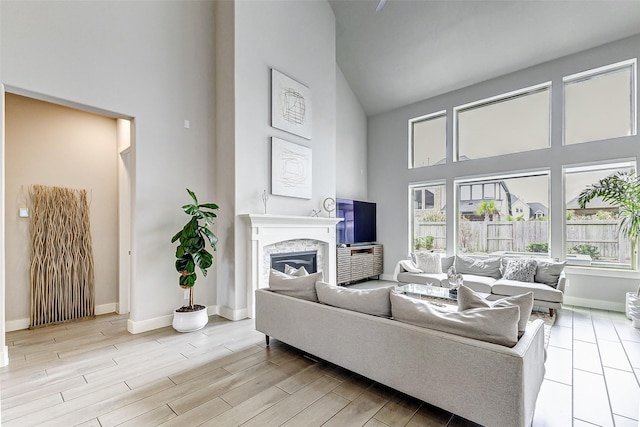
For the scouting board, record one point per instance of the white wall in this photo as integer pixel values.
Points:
(47, 144)
(388, 153)
(152, 61)
(351, 143)
(297, 39)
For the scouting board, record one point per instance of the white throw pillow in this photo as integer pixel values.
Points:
(549, 271)
(292, 271)
(409, 266)
(303, 287)
(468, 299)
(495, 325)
(489, 267)
(369, 301)
(428, 262)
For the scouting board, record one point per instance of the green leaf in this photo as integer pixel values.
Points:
(176, 236)
(193, 196)
(209, 206)
(190, 209)
(203, 260)
(188, 281)
(210, 236)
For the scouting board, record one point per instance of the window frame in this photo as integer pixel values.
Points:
(411, 122)
(602, 71)
(529, 90)
(410, 218)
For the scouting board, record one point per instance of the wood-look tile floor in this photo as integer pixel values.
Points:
(95, 373)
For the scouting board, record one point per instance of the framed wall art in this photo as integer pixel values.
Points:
(290, 105)
(290, 169)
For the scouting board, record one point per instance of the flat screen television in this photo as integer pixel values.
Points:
(359, 222)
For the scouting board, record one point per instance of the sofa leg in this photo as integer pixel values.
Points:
(551, 312)
(266, 339)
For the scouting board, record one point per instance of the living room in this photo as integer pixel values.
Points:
(161, 64)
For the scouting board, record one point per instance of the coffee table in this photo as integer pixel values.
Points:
(428, 291)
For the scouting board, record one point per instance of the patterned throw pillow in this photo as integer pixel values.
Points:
(521, 269)
(428, 262)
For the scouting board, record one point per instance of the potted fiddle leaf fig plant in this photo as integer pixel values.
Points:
(191, 253)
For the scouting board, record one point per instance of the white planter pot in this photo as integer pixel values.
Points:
(190, 321)
(633, 308)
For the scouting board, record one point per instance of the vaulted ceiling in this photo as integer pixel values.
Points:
(416, 49)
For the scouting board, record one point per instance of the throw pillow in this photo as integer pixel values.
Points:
(548, 272)
(292, 271)
(303, 287)
(369, 301)
(489, 267)
(428, 262)
(468, 299)
(447, 262)
(521, 269)
(495, 325)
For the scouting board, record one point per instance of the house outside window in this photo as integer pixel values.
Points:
(591, 237)
(428, 140)
(428, 217)
(512, 222)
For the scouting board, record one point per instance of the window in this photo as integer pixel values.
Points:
(505, 124)
(428, 140)
(591, 237)
(428, 224)
(600, 104)
(512, 222)
(465, 192)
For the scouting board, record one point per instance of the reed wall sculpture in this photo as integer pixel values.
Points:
(62, 267)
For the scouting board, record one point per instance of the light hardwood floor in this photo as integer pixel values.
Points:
(95, 373)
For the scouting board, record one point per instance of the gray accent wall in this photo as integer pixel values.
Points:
(388, 157)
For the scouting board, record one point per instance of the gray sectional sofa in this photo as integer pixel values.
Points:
(488, 383)
(486, 275)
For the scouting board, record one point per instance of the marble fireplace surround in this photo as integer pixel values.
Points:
(279, 233)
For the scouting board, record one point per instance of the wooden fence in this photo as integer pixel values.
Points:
(515, 236)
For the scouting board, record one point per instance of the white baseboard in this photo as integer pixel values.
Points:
(4, 357)
(590, 303)
(231, 314)
(106, 308)
(149, 324)
(18, 324)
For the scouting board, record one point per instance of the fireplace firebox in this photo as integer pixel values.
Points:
(307, 259)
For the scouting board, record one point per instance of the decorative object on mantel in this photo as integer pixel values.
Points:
(290, 169)
(265, 199)
(191, 253)
(329, 205)
(315, 213)
(290, 105)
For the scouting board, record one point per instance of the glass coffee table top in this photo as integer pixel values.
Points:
(419, 291)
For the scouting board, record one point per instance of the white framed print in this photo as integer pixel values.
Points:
(290, 105)
(290, 169)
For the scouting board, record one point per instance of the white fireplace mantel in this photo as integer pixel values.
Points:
(266, 230)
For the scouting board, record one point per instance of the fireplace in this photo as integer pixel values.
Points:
(277, 234)
(306, 259)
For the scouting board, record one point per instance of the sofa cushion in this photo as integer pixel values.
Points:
(548, 272)
(468, 299)
(409, 266)
(496, 325)
(370, 301)
(303, 287)
(489, 267)
(521, 269)
(540, 291)
(428, 262)
(292, 271)
(477, 283)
